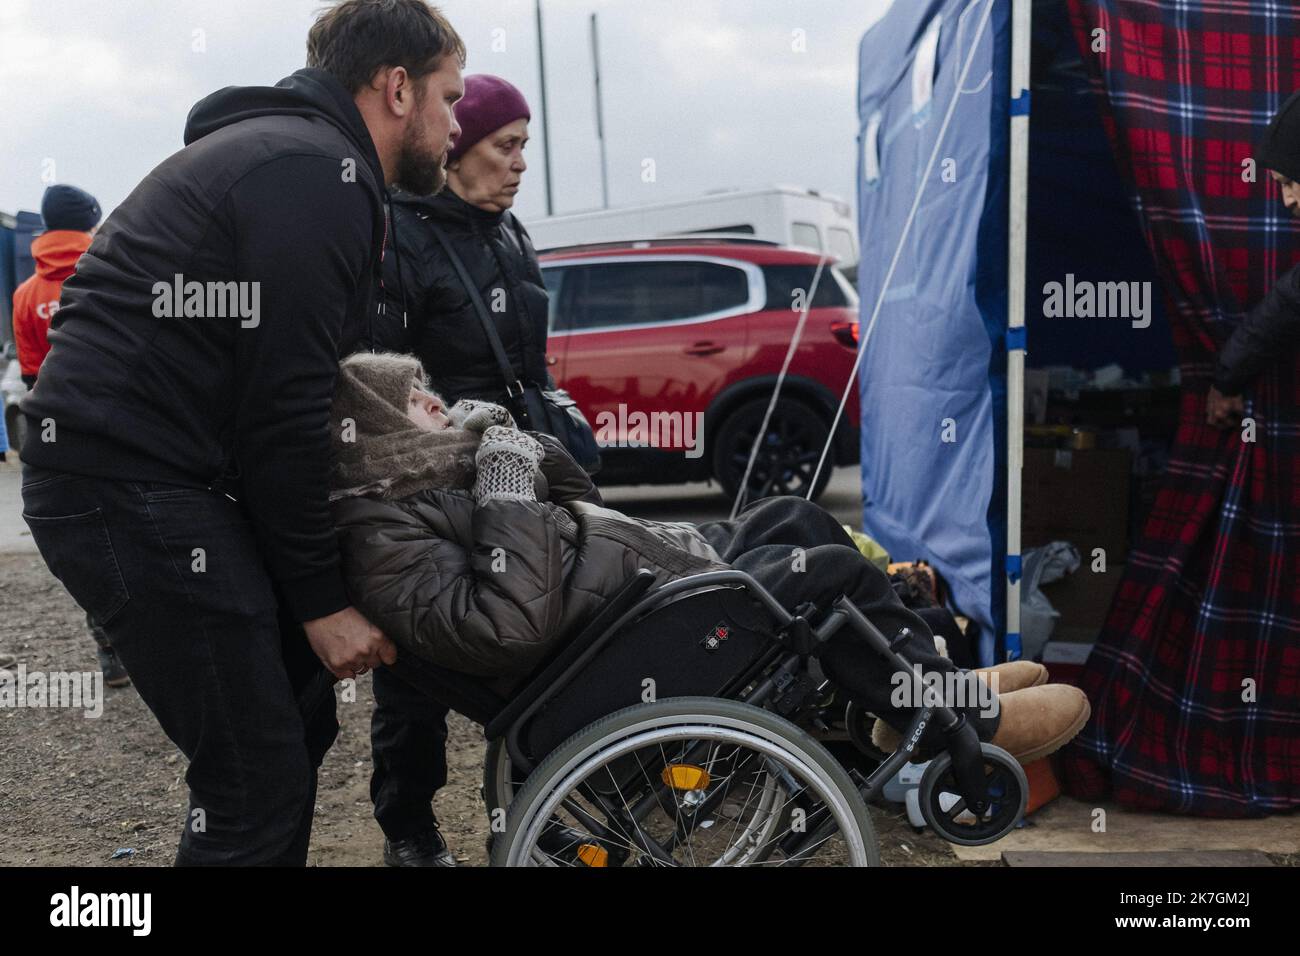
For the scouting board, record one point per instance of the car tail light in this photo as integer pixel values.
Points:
(846, 333)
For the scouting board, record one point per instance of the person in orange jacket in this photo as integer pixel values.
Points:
(70, 215)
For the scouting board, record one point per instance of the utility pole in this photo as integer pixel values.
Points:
(546, 136)
(600, 117)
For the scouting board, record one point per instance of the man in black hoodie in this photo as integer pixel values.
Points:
(179, 446)
(1269, 332)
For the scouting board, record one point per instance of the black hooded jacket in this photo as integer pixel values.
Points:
(1268, 333)
(280, 191)
(1271, 330)
(441, 327)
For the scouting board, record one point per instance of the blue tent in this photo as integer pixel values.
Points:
(948, 173)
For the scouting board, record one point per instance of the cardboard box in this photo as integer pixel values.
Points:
(1077, 496)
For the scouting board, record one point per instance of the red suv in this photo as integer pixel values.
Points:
(671, 347)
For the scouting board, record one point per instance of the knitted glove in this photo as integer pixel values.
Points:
(475, 416)
(508, 461)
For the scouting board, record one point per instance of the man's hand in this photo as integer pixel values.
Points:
(347, 644)
(1223, 411)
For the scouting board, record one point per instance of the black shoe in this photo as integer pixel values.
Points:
(115, 674)
(425, 848)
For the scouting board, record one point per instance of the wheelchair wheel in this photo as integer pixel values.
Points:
(752, 790)
(750, 799)
(500, 782)
(944, 808)
(688, 781)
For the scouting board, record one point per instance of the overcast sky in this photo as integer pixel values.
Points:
(719, 93)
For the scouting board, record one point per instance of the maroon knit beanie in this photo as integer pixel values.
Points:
(489, 103)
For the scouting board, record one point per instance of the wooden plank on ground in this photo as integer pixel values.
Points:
(1073, 858)
(1080, 826)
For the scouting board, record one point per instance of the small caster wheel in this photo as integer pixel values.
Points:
(944, 807)
(858, 723)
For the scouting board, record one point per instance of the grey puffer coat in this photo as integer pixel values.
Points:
(491, 590)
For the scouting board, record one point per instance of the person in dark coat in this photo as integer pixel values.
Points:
(1270, 331)
(178, 447)
(429, 313)
(481, 548)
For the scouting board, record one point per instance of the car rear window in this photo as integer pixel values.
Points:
(644, 293)
(782, 281)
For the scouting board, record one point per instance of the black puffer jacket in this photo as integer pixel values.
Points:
(1269, 332)
(490, 590)
(441, 327)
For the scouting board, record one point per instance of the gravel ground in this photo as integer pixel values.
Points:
(73, 790)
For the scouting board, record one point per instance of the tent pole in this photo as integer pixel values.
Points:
(1021, 21)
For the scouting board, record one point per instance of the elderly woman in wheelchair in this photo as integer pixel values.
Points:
(652, 691)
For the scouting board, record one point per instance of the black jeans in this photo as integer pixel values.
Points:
(762, 541)
(408, 744)
(173, 576)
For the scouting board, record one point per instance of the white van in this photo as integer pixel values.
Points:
(785, 215)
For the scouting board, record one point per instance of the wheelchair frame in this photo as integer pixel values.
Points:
(774, 676)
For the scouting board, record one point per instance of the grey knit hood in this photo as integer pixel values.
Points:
(378, 450)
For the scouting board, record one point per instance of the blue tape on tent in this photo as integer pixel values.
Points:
(1013, 567)
(1020, 104)
(1017, 338)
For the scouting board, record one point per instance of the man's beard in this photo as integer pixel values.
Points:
(418, 172)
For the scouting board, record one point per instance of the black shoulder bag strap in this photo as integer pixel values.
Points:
(517, 228)
(514, 387)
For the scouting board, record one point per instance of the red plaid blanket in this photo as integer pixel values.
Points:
(1195, 681)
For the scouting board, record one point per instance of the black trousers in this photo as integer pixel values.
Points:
(174, 578)
(800, 553)
(408, 745)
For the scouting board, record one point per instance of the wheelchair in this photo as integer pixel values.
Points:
(681, 726)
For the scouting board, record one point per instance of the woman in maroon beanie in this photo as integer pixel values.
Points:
(431, 315)
(430, 310)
